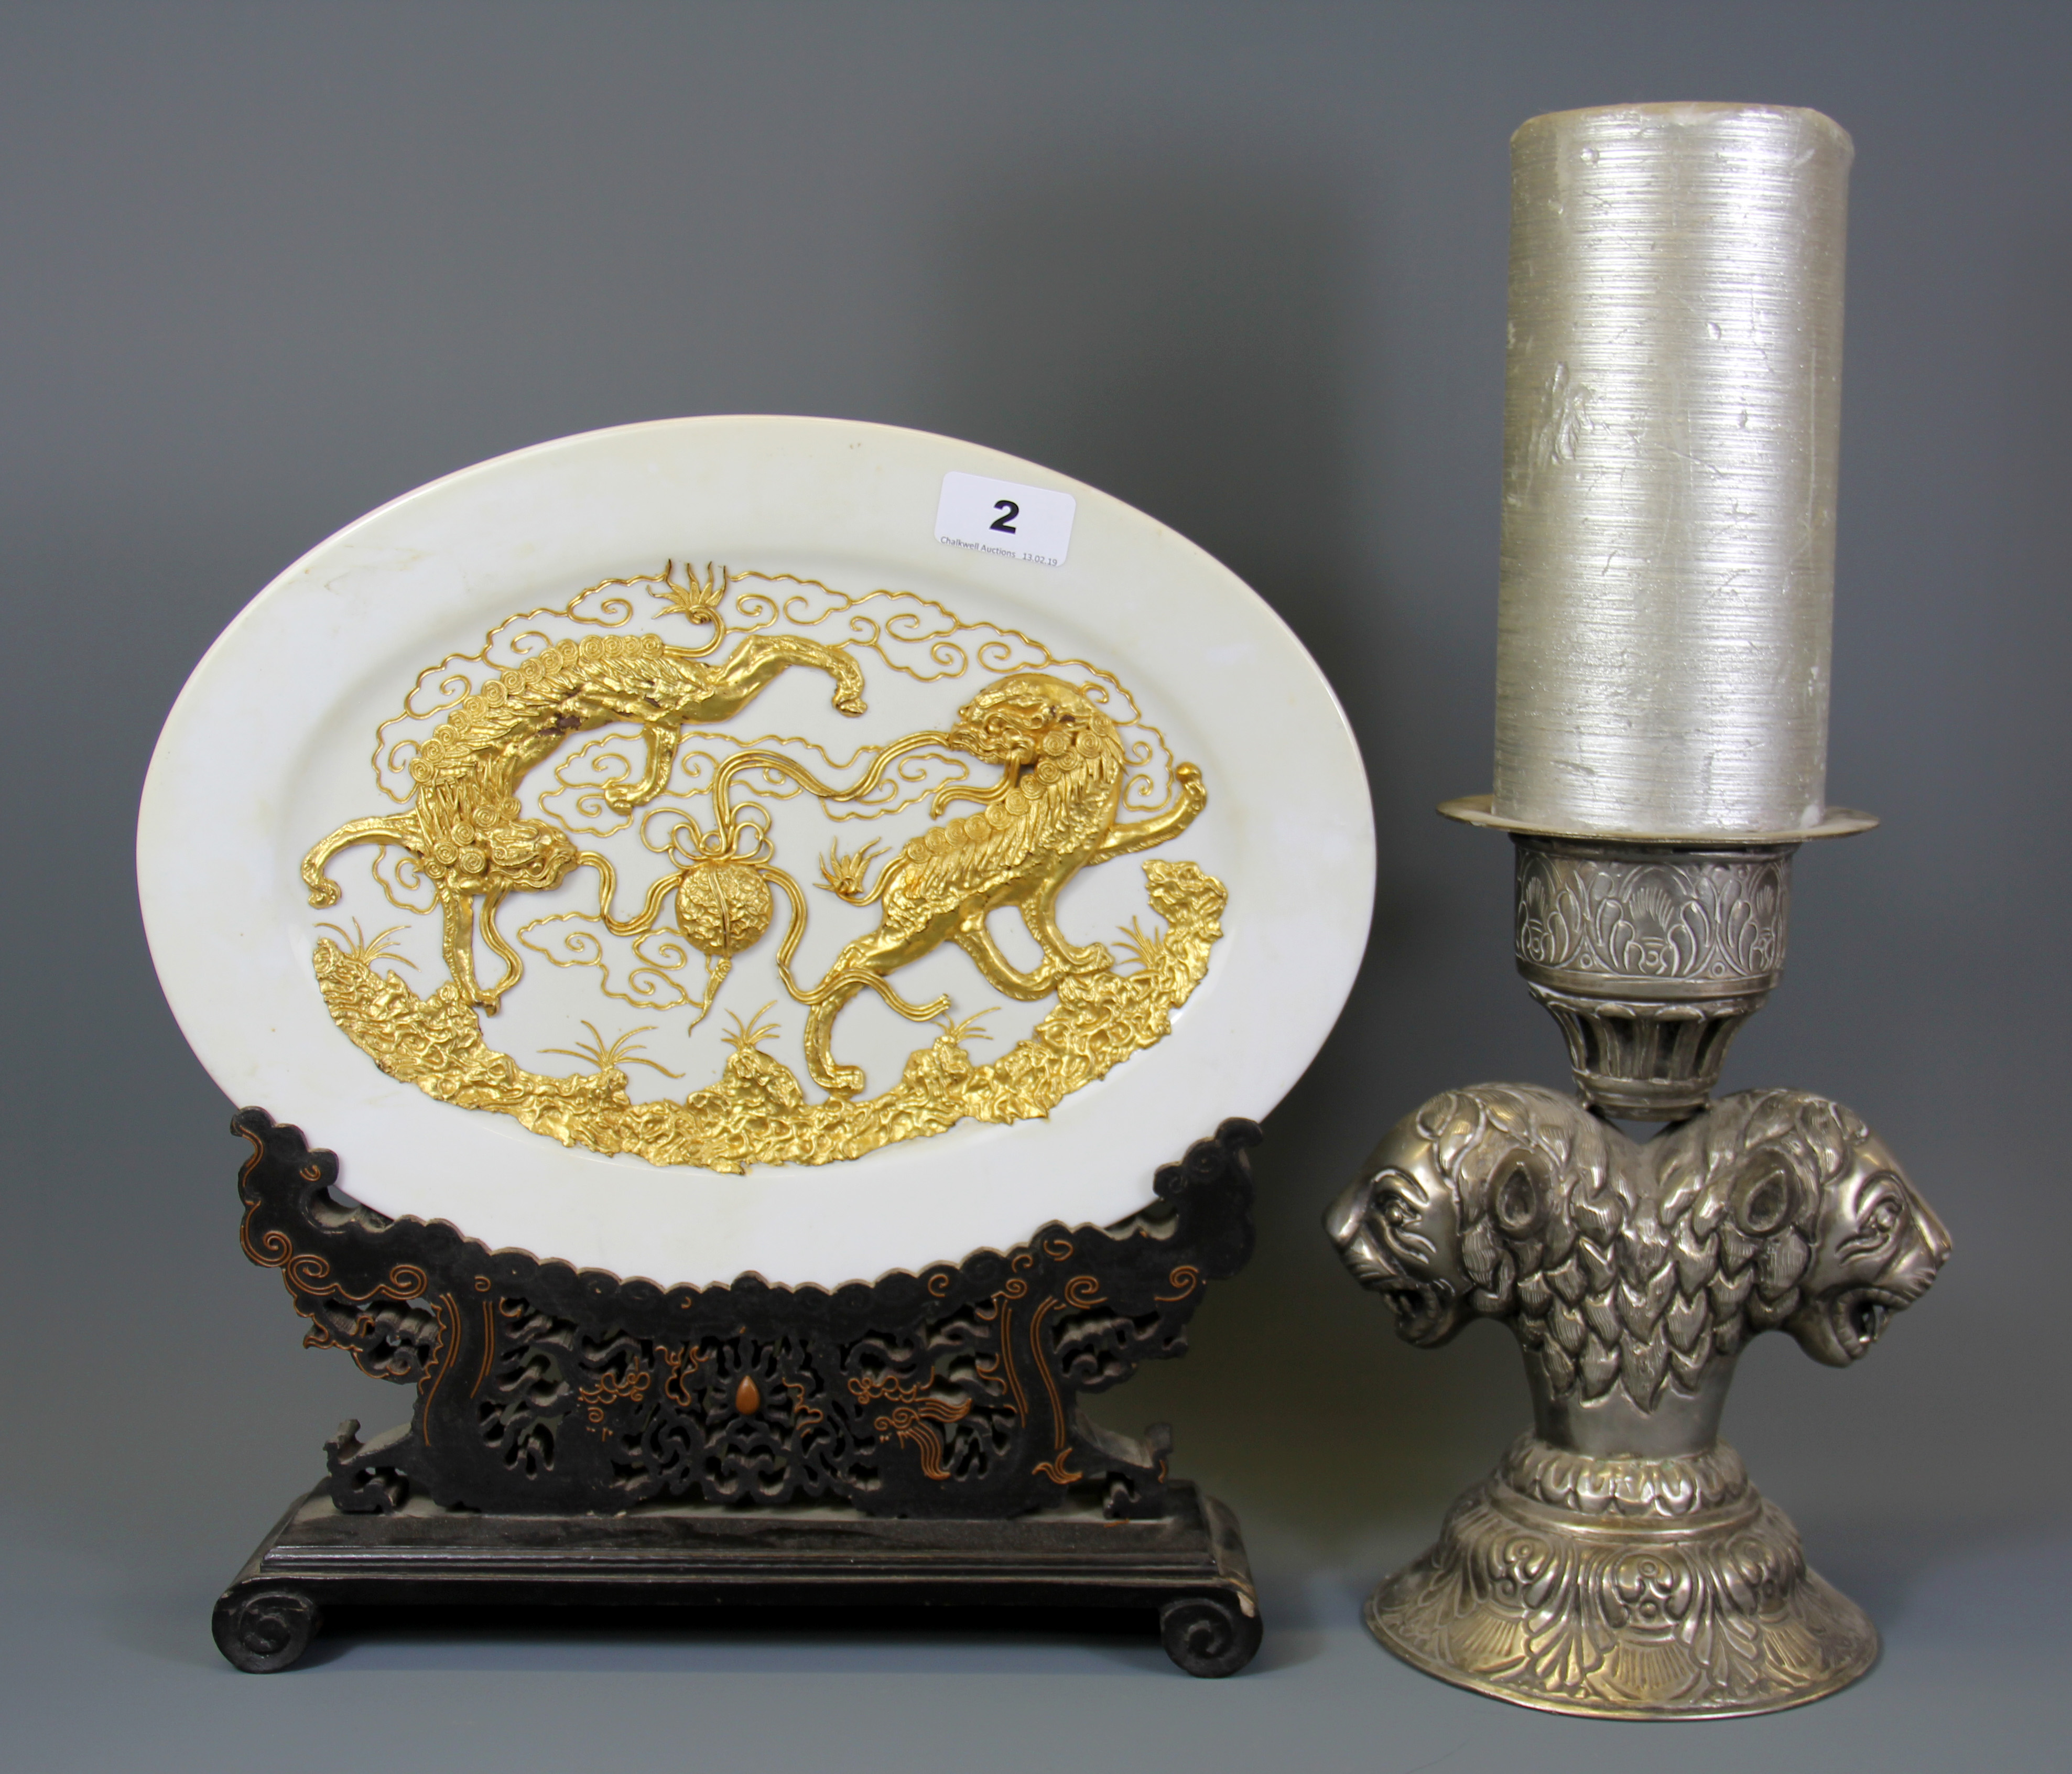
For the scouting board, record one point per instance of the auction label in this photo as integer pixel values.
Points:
(1005, 517)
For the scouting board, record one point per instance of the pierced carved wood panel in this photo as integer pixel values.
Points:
(545, 1388)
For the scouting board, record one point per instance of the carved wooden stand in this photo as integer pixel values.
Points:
(580, 1438)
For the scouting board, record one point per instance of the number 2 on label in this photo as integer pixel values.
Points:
(1005, 518)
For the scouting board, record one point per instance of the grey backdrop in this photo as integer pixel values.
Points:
(266, 266)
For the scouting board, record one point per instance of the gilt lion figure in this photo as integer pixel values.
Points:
(1051, 813)
(1620, 1265)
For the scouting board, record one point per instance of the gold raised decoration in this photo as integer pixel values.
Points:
(493, 802)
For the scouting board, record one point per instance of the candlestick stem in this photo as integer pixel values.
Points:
(1618, 1562)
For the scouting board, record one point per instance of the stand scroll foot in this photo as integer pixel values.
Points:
(1209, 1636)
(264, 1629)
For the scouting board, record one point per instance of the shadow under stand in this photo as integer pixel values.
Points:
(578, 1438)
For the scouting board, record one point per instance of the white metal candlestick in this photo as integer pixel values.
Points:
(1670, 426)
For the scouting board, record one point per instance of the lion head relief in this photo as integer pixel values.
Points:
(1622, 1265)
(1455, 1196)
(1032, 718)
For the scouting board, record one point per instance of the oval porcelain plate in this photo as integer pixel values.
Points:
(756, 844)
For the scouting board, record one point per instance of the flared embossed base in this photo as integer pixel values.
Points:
(1623, 1588)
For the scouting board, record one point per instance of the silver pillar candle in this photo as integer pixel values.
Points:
(1671, 415)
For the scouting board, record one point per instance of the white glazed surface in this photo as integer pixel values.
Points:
(266, 749)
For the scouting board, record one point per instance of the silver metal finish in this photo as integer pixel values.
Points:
(1619, 1563)
(1671, 422)
(1837, 822)
(1650, 957)
(1672, 416)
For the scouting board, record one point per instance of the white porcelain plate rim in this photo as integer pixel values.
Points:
(218, 878)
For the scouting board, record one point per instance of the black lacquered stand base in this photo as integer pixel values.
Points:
(585, 1441)
(1187, 1567)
